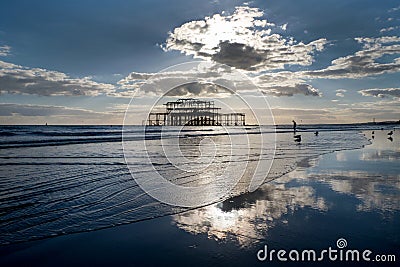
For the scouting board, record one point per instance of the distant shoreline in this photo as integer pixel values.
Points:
(276, 125)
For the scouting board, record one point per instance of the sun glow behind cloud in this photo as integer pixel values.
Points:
(241, 40)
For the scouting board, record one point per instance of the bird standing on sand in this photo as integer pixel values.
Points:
(316, 133)
(390, 133)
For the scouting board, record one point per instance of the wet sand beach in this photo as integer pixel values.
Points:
(349, 194)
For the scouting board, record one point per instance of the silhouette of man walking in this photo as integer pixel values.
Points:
(294, 126)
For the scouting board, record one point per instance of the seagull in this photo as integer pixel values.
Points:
(297, 138)
(373, 132)
(390, 133)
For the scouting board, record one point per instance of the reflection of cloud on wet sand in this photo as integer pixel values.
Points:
(248, 217)
(375, 192)
(376, 155)
(341, 156)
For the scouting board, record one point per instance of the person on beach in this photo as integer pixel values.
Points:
(294, 126)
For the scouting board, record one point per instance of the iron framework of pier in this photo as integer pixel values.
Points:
(194, 112)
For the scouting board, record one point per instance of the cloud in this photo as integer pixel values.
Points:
(136, 76)
(5, 50)
(283, 83)
(312, 115)
(194, 80)
(199, 90)
(244, 40)
(299, 111)
(15, 79)
(11, 109)
(12, 113)
(241, 40)
(363, 63)
(388, 29)
(340, 92)
(394, 9)
(290, 90)
(385, 92)
(384, 109)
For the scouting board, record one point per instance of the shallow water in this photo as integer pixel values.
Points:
(60, 180)
(351, 194)
(346, 186)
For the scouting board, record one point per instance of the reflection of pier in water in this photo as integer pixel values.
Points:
(194, 112)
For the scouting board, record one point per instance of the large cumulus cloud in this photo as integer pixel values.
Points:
(242, 40)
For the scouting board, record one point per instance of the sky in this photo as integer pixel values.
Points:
(82, 62)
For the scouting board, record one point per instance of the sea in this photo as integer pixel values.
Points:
(59, 180)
